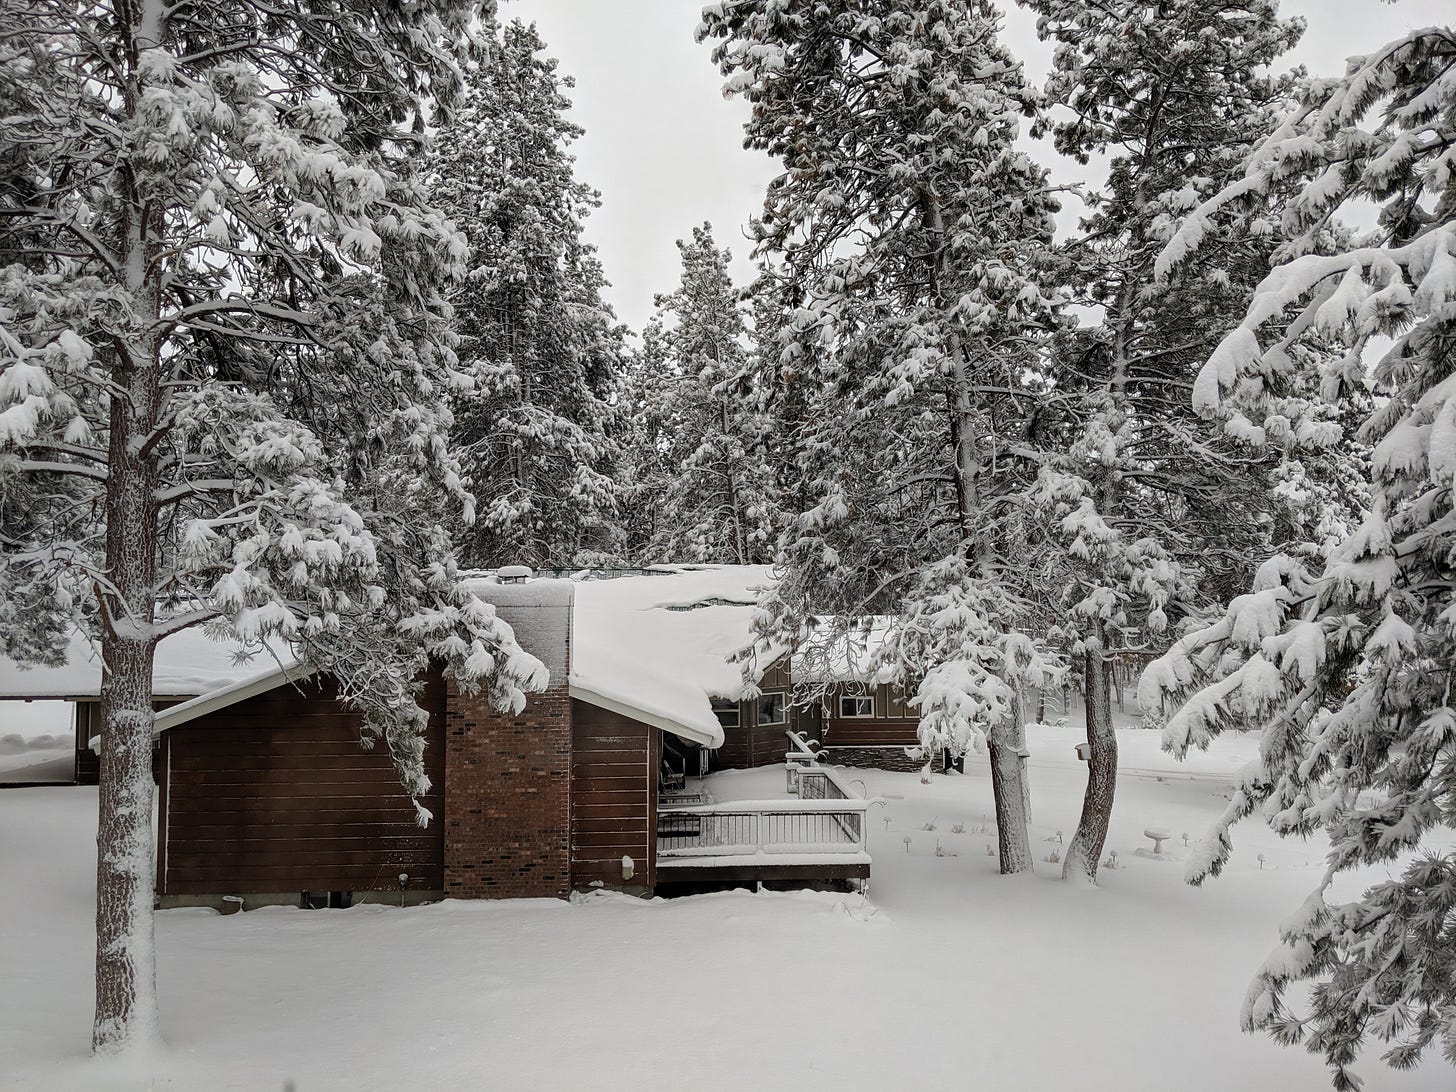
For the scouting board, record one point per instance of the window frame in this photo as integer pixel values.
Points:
(870, 698)
(783, 698)
(723, 705)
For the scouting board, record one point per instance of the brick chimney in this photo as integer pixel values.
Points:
(507, 811)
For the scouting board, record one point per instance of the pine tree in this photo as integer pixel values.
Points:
(910, 237)
(717, 505)
(223, 358)
(644, 438)
(1154, 510)
(542, 347)
(1345, 659)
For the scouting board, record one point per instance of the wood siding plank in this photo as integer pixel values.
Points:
(276, 794)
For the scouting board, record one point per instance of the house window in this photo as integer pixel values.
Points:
(726, 712)
(326, 900)
(856, 705)
(771, 709)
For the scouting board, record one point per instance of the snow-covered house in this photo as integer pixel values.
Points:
(264, 791)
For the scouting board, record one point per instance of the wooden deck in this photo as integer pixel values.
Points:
(814, 833)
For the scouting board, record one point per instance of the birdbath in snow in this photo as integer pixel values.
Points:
(1159, 836)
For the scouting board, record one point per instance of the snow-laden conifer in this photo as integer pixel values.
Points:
(541, 345)
(1345, 659)
(1152, 511)
(905, 244)
(717, 502)
(224, 357)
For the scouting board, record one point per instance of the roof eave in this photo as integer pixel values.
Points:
(230, 695)
(691, 733)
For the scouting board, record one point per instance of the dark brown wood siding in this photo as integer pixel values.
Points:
(753, 744)
(733, 755)
(895, 724)
(275, 794)
(614, 762)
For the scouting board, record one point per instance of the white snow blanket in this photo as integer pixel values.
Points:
(656, 646)
(188, 663)
(662, 643)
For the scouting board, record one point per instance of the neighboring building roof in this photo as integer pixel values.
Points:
(187, 664)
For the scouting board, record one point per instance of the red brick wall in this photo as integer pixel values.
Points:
(508, 798)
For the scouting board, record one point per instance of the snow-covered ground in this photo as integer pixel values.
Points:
(949, 976)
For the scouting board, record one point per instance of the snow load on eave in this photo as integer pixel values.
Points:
(187, 664)
(662, 643)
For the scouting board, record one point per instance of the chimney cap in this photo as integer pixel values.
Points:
(513, 574)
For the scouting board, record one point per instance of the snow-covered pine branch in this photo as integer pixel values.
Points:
(1344, 658)
(907, 295)
(224, 357)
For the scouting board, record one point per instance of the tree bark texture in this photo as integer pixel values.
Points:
(126, 1001)
(1085, 849)
(126, 990)
(1012, 795)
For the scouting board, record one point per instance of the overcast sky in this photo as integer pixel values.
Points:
(666, 150)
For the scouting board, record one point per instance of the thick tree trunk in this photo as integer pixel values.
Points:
(126, 981)
(126, 987)
(126, 1001)
(1085, 849)
(1008, 768)
(1013, 798)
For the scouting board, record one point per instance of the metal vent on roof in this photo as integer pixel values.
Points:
(715, 601)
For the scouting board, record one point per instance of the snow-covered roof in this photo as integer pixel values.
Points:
(187, 664)
(654, 647)
(660, 643)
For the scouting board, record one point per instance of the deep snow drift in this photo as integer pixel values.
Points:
(948, 976)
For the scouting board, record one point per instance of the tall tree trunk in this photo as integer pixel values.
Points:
(735, 500)
(1008, 769)
(126, 991)
(1085, 849)
(1013, 799)
(126, 976)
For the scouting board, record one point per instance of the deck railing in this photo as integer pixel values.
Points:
(824, 819)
